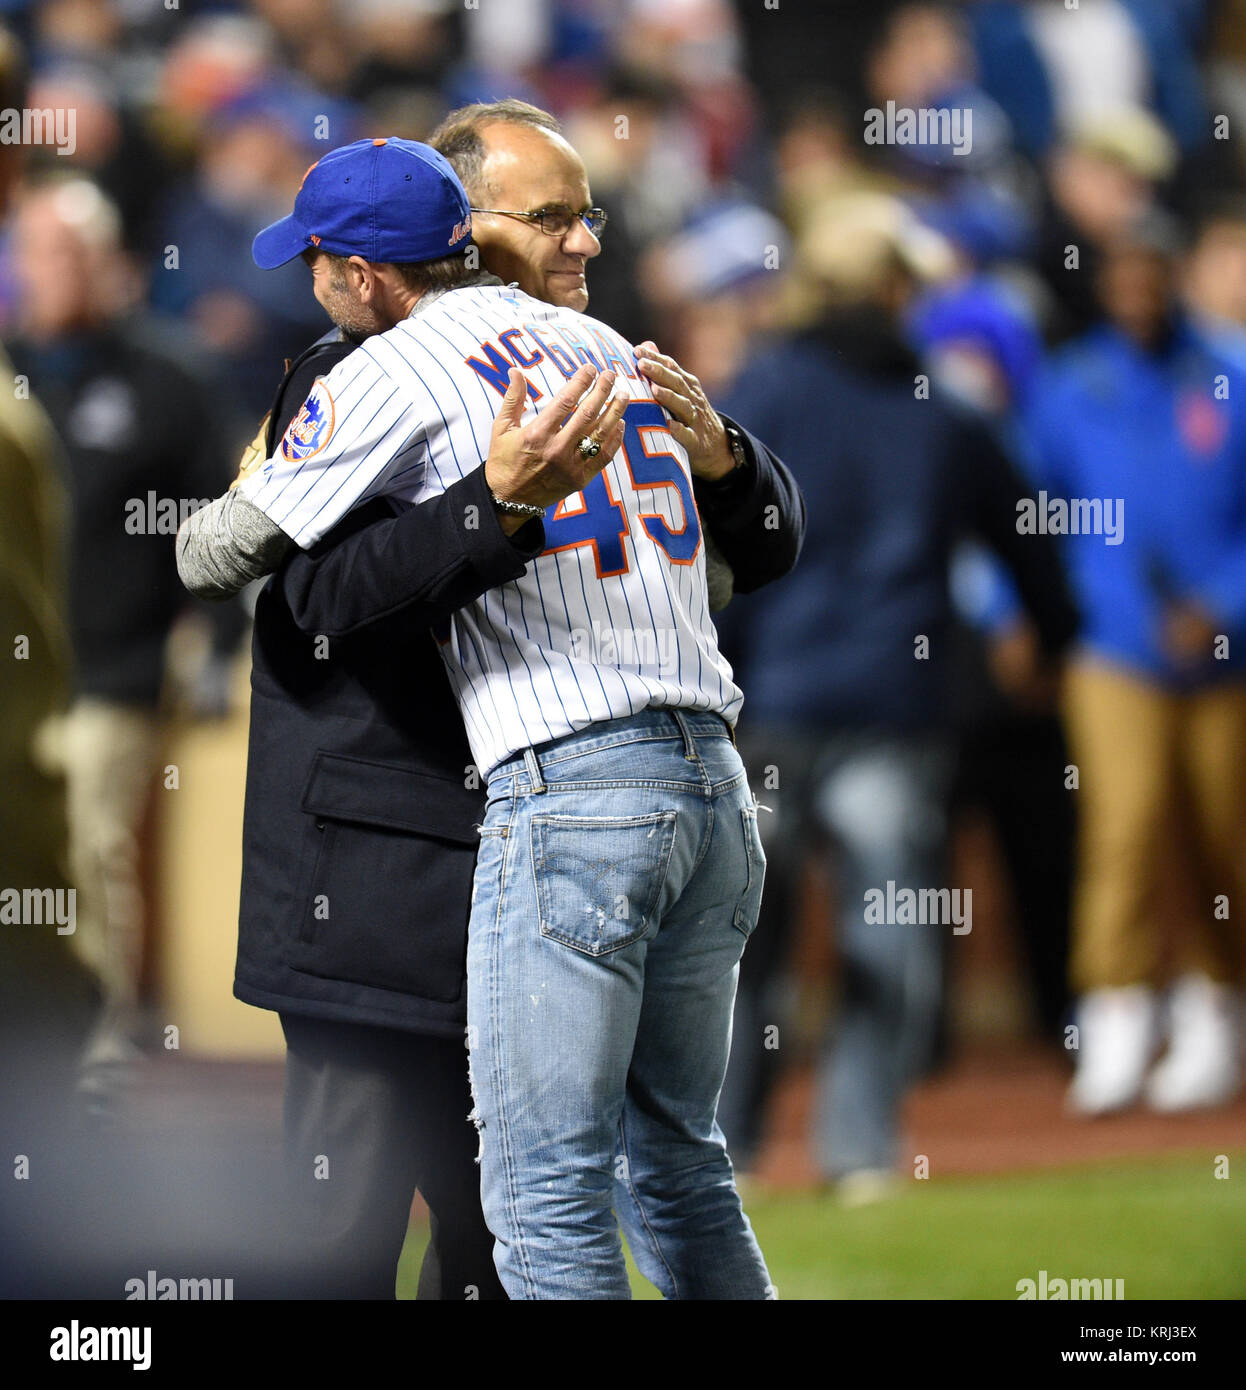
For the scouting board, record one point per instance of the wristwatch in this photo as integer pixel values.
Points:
(735, 442)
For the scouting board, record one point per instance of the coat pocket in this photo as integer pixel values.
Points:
(389, 895)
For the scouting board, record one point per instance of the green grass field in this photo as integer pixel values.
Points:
(1169, 1228)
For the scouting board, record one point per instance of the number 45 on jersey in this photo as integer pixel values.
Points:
(599, 519)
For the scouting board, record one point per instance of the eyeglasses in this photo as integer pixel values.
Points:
(556, 221)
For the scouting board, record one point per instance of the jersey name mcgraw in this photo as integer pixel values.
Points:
(613, 616)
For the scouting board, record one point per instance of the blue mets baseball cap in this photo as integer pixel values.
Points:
(390, 201)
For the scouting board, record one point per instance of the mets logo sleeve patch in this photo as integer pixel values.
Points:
(354, 435)
(312, 427)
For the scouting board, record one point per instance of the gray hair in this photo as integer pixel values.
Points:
(458, 137)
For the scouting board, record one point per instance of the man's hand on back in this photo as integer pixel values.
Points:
(540, 463)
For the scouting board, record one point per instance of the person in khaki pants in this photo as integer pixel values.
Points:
(110, 752)
(1150, 760)
(137, 421)
(1139, 435)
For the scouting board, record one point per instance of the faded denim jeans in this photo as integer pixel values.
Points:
(619, 877)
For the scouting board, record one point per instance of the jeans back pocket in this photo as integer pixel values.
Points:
(599, 878)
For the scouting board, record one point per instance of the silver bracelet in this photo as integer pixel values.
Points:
(516, 508)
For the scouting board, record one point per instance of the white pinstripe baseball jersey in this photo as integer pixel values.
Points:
(613, 617)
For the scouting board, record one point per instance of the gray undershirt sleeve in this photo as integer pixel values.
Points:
(221, 548)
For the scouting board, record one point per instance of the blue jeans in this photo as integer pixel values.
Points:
(885, 803)
(877, 802)
(619, 876)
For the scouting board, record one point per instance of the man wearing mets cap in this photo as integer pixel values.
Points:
(359, 838)
(620, 867)
(388, 200)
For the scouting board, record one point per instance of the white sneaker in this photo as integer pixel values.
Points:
(1116, 1037)
(1201, 1067)
(865, 1186)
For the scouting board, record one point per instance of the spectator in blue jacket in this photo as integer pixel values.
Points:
(849, 727)
(1139, 436)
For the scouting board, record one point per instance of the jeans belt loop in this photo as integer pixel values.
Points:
(534, 770)
(690, 747)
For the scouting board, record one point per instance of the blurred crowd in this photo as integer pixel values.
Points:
(1048, 295)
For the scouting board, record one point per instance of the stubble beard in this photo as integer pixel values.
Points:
(356, 321)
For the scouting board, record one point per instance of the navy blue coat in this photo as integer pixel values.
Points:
(894, 481)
